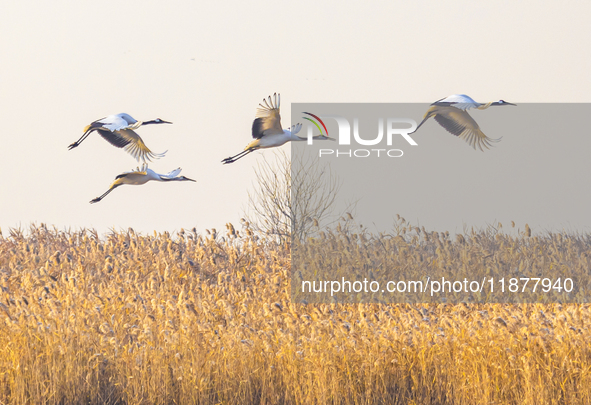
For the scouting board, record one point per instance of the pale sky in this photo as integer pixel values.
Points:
(206, 65)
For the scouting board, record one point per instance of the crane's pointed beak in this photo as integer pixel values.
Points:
(502, 102)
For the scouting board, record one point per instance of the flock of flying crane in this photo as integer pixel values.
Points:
(119, 130)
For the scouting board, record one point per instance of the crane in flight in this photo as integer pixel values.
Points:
(141, 176)
(119, 131)
(452, 114)
(267, 131)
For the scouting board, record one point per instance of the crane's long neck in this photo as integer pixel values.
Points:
(484, 106)
(136, 125)
(316, 138)
(156, 121)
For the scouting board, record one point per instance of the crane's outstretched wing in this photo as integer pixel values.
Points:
(114, 138)
(172, 174)
(268, 120)
(460, 123)
(132, 144)
(143, 171)
(295, 128)
(108, 124)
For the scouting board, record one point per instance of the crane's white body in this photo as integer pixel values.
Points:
(275, 140)
(459, 101)
(142, 176)
(118, 130)
(267, 131)
(118, 122)
(452, 114)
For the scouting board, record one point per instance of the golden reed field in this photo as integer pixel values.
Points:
(208, 319)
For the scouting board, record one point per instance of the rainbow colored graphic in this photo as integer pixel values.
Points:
(317, 118)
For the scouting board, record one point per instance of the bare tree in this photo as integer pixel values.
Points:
(293, 198)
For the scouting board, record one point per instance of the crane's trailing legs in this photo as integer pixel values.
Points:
(234, 158)
(95, 200)
(452, 114)
(87, 131)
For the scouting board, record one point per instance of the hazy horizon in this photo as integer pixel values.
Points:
(206, 68)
